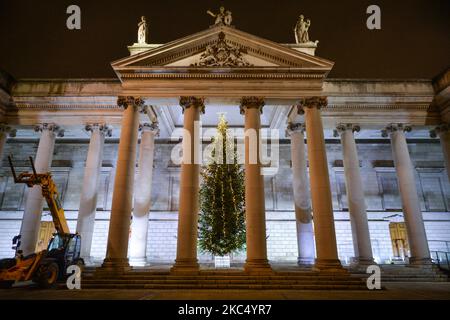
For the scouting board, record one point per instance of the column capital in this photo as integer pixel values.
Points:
(151, 127)
(191, 101)
(49, 127)
(251, 102)
(393, 127)
(101, 127)
(342, 127)
(442, 128)
(295, 127)
(126, 101)
(4, 128)
(312, 102)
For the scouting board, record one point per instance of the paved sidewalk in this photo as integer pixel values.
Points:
(393, 291)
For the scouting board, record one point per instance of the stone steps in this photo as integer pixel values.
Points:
(388, 276)
(431, 274)
(246, 278)
(291, 279)
(213, 279)
(404, 273)
(222, 281)
(310, 285)
(224, 286)
(413, 280)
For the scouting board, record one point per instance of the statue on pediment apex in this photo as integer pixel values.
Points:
(222, 17)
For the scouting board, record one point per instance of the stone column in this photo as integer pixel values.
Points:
(5, 130)
(443, 131)
(29, 229)
(324, 230)
(255, 213)
(186, 260)
(355, 196)
(303, 216)
(116, 260)
(89, 190)
(142, 195)
(420, 253)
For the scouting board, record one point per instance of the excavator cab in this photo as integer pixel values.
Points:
(48, 266)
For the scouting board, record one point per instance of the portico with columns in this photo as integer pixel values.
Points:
(290, 75)
(271, 86)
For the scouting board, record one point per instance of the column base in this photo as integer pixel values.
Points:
(305, 261)
(361, 262)
(113, 266)
(138, 261)
(328, 265)
(258, 266)
(185, 266)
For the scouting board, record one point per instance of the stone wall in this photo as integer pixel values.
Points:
(379, 179)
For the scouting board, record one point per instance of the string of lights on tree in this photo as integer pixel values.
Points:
(222, 198)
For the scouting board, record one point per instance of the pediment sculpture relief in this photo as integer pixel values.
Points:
(222, 54)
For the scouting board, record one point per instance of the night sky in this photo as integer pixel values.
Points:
(414, 41)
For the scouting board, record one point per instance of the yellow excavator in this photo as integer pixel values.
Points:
(47, 266)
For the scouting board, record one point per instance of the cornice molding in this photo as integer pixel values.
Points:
(442, 81)
(52, 106)
(426, 107)
(215, 74)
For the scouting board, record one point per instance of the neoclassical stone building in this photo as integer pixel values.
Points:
(360, 174)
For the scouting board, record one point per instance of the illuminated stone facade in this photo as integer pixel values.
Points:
(281, 77)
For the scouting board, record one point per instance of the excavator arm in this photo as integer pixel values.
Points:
(49, 192)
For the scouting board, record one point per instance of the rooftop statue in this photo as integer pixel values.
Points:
(142, 31)
(222, 17)
(301, 30)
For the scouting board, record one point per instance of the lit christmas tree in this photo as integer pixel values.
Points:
(222, 198)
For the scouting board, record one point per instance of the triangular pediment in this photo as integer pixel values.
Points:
(223, 47)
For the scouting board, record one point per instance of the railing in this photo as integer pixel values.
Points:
(442, 259)
(439, 244)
